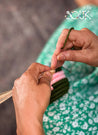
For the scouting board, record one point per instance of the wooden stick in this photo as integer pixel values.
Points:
(67, 37)
(5, 95)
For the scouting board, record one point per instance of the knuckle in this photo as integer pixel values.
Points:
(25, 76)
(86, 29)
(88, 34)
(48, 76)
(16, 81)
(34, 64)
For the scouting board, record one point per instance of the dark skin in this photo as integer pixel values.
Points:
(86, 2)
(31, 96)
(86, 44)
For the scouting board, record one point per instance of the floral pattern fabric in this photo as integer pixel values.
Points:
(76, 113)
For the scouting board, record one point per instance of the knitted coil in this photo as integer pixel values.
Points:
(60, 85)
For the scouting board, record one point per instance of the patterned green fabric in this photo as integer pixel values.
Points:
(76, 113)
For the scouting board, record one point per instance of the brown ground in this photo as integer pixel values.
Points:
(25, 26)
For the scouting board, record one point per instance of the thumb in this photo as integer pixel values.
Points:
(74, 55)
(46, 78)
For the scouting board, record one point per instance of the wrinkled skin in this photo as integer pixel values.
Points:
(31, 97)
(86, 48)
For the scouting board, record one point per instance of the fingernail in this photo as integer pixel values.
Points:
(61, 57)
(52, 71)
(53, 63)
(51, 87)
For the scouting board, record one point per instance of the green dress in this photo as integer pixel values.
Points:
(76, 113)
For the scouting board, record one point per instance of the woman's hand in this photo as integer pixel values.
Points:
(86, 48)
(31, 97)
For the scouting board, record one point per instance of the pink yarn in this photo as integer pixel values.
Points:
(57, 74)
(57, 77)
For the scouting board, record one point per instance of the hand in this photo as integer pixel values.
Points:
(31, 97)
(84, 41)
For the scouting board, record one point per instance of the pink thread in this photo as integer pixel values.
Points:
(57, 79)
(57, 74)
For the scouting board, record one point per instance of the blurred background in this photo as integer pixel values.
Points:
(25, 26)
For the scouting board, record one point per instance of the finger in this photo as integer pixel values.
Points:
(61, 41)
(45, 85)
(36, 69)
(46, 78)
(62, 38)
(54, 61)
(76, 37)
(73, 55)
(68, 45)
(80, 38)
